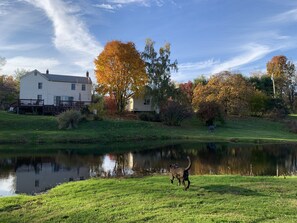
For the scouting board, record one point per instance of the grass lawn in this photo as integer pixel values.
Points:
(154, 199)
(43, 129)
(293, 116)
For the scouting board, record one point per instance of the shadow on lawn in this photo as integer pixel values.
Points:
(227, 189)
(10, 208)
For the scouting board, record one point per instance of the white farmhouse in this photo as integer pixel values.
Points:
(140, 104)
(54, 89)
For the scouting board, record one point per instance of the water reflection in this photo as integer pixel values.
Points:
(43, 176)
(32, 174)
(7, 186)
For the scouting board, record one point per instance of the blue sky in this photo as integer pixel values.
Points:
(206, 36)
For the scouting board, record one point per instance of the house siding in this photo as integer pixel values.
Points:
(137, 105)
(29, 87)
(64, 90)
(50, 89)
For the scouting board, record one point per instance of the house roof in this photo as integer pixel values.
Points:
(64, 78)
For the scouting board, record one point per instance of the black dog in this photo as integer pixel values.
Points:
(182, 174)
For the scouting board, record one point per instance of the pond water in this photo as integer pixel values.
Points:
(32, 173)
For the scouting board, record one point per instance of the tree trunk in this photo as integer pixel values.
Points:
(273, 85)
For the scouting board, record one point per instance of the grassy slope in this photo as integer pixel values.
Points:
(34, 129)
(154, 199)
(293, 116)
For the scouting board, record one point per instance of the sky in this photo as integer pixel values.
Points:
(206, 36)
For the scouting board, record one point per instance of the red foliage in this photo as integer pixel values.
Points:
(187, 90)
(110, 105)
(209, 112)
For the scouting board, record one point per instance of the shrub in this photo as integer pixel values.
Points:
(209, 112)
(174, 113)
(276, 109)
(149, 117)
(258, 103)
(277, 104)
(276, 114)
(69, 119)
(97, 109)
(85, 110)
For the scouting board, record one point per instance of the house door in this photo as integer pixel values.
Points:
(57, 100)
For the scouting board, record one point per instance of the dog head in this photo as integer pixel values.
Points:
(173, 166)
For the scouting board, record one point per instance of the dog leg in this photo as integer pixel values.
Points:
(184, 184)
(188, 185)
(171, 179)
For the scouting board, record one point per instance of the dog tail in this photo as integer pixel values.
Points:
(190, 164)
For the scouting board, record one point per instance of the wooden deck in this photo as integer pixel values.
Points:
(37, 106)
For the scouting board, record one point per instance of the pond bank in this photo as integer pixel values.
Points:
(154, 199)
(29, 129)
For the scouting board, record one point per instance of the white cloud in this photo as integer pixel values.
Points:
(109, 7)
(106, 6)
(112, 5)
(29, 63)
(143, 2)
(288, 16)
(197, 65)
(18, 19)
(3, 7)
(19, 47)
(71, 35)
(189, 71)
(252, 52)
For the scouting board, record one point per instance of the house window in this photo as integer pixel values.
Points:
(72, 86)
(63, 100)
(57, 100)
(39, 85)
(83, 87)
(36, 183)
(39, 97)
(147, 101)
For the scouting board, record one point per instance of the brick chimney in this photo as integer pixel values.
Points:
(47, 72)
(87, 74)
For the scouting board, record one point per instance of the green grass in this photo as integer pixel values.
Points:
(43, 129)
(154, 199)
(293, 116)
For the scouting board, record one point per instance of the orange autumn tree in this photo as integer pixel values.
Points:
(120, 71)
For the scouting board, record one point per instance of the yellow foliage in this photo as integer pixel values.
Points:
(229, 90)
(276, 67)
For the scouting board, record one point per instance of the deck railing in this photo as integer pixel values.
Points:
(73, 103)
(62, 103)
(30, 102)
(38, 106)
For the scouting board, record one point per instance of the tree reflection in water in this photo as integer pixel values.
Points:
(35, 173)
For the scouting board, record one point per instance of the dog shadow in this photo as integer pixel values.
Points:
(227, 189)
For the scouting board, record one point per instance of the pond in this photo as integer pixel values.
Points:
(34, 172)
